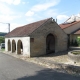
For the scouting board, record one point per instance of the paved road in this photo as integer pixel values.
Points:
(15, 69)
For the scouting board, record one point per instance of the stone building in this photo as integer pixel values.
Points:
(36, 39)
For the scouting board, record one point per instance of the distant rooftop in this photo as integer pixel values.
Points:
(74, 19)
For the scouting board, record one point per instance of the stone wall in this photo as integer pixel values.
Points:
(38, 46)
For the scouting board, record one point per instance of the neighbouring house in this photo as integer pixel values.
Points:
(72, 28)
(38, 38)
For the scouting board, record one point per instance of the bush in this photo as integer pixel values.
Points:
(72, 43)
(2, 40)
(75, 43)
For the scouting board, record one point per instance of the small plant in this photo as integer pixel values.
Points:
(76, 52)
(78, 41)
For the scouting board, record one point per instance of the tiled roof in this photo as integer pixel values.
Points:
(77, 32)
(26, 29)
(63, 26)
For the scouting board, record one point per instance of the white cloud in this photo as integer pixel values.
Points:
(6, 13)
(42, 7)
(15, 2)
(14, 25)
(7, 1)
(62, 17)
(29, 13)
(5, 28)
(5, 9)
(8, 18)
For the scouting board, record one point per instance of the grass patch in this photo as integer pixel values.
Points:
(76, 52)
(3, 49)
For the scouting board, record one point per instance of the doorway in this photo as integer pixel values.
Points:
(50, 44)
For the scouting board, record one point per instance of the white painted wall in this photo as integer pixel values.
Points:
(25, 42)
(6, 42)
(72, 28)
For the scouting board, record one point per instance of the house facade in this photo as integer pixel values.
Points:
(72, 28)
(36, 39)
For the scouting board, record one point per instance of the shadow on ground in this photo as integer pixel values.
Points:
(49, 74)
(61, 53)
(55, 54)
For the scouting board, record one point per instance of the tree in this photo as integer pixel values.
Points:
(2, 40)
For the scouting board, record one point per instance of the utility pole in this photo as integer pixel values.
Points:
(8, 25)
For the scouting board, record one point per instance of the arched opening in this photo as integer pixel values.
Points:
(19, 47)
(13, 46)
(50, 43)
(9, 45)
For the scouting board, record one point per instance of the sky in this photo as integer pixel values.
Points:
(22, 12)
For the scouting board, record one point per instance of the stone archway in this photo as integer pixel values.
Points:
(9, 45)
(50, 43)
(19, 47)
(13, 46)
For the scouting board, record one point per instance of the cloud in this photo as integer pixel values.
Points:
(6, 13)
(5, 28)
(15, 2)
(14, 25)
(8, 18)
(4, 9)
(29, 13)
(62, 17)
(43, 6)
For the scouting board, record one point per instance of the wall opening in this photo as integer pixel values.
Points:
(50, 43)
(19, 47)
(13, 46)
(9, 45)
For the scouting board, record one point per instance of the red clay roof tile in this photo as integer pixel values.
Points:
(63, 26)
(26, 29)
(77, 32)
